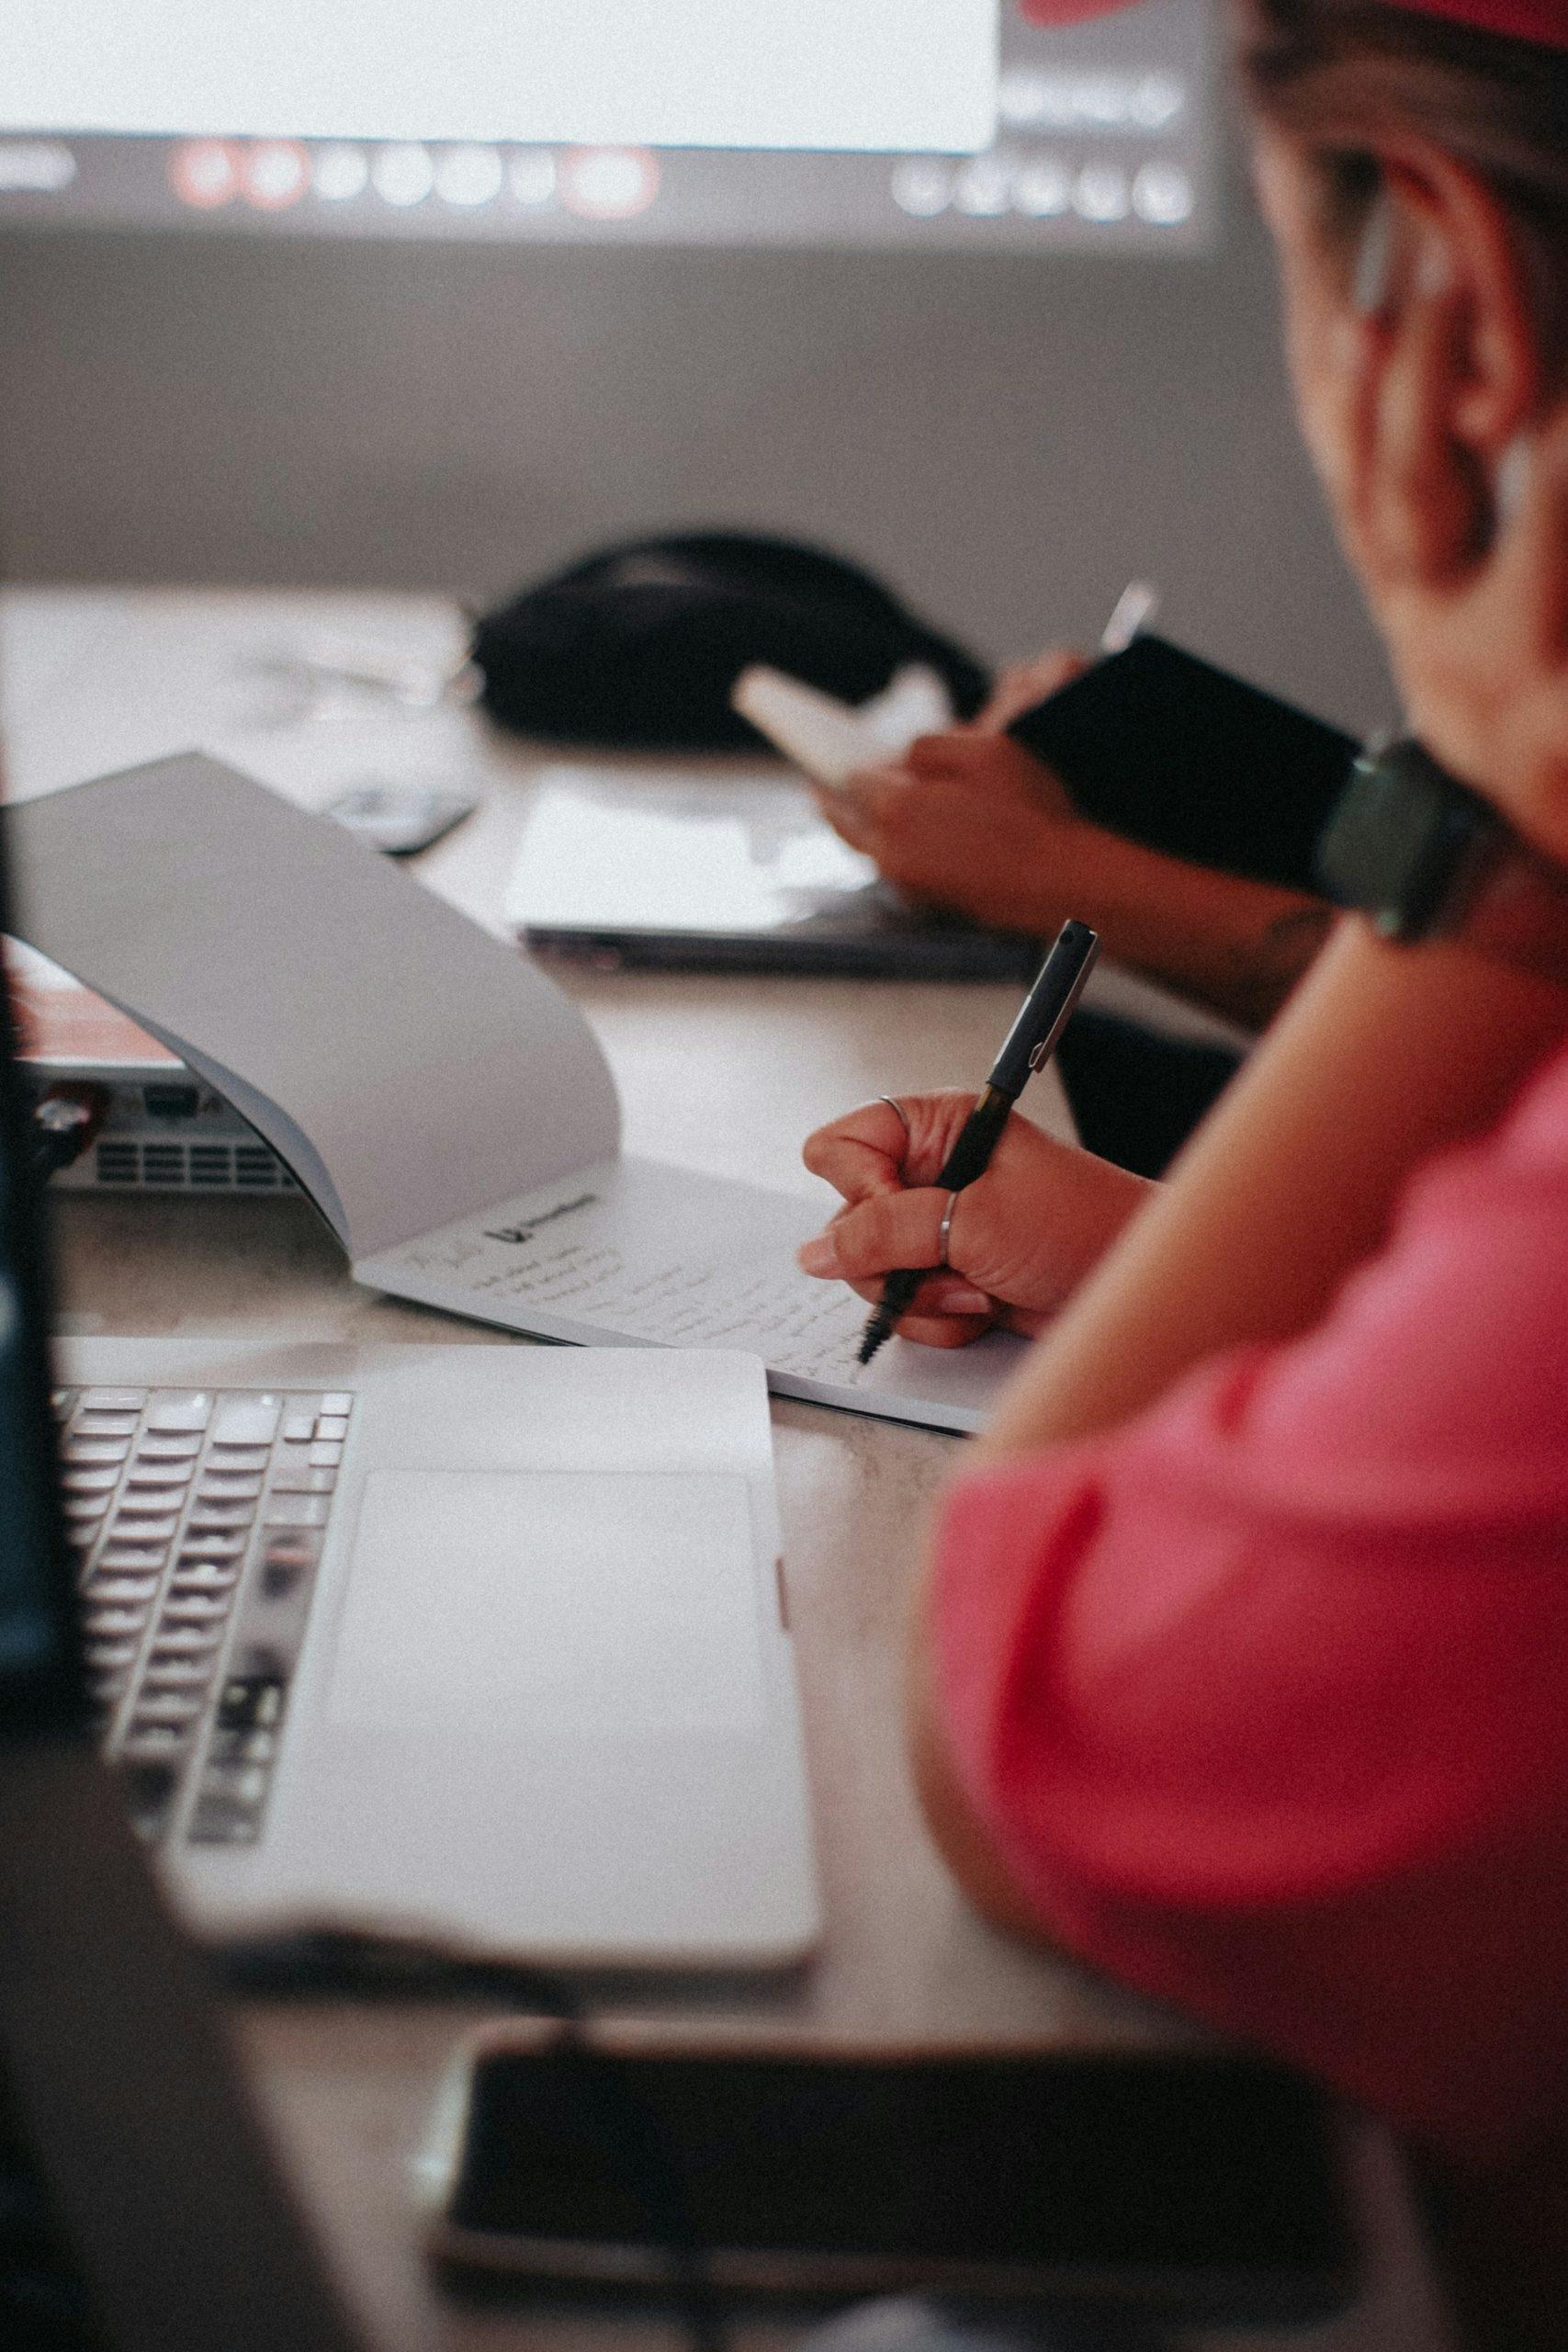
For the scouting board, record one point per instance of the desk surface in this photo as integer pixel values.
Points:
(94, 681)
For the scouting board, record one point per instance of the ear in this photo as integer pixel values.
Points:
(1469, 250)
(1450, 369)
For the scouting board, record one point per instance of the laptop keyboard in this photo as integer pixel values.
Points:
(199, 1518)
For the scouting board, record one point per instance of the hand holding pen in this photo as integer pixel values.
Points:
(1020, 1238)
(1027, 1048)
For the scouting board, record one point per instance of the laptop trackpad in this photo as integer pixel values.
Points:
(489, 1603)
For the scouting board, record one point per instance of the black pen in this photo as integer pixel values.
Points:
(1029, 1046)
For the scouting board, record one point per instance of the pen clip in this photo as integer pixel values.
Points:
(1056, 990)
(1041, 1053)
(1135, 607)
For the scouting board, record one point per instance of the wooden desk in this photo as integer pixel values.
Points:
(101, 680)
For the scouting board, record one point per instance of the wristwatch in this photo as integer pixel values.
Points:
(1425, 857)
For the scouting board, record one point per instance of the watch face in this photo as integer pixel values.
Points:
(1396, 845)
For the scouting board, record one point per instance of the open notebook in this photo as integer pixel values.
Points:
(446, 1107)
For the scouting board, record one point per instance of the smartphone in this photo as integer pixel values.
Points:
(1162, 747)
(399, 819)
(1188, 2187)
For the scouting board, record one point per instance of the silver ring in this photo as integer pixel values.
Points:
(944, 1230)
(894, 1104)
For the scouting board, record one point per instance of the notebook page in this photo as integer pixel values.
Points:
(637, 1250)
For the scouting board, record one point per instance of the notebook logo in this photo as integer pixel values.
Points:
(522, 1233)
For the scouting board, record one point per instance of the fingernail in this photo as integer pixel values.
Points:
(963, 1301)
(818, 1257)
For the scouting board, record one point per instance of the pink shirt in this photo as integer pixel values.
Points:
(1264, 1700)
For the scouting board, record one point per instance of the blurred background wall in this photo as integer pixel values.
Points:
(1007, 440)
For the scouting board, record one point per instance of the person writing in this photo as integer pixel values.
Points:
(1239, 1666)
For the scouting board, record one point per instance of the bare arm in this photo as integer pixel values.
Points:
(1386, 1055)
(970, 821)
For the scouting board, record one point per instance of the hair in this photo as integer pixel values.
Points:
(1343, 78)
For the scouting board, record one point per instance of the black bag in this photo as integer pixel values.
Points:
(638, 647)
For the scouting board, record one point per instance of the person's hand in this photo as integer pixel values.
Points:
(1020, 1238)
(1023, 683)
(967, 819)
(969, 822)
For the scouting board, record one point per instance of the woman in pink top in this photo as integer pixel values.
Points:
(1242, 1668)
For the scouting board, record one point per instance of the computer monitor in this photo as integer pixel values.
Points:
(964, 125)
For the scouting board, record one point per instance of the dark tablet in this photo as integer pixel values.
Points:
(1166, 749)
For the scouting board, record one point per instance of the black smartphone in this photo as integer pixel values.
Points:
(1154, 743)
(1189, 2187)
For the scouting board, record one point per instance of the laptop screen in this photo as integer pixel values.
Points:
(41, 1683)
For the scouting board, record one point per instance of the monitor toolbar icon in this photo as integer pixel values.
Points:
(275, 174)
(205, 173)
(608, 183)
(468, 176)
(339, 174)
(403, 175)
(531, 175)
(35, 167)
(1038, 185)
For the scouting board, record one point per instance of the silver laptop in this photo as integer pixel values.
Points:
(139, 2205)
(480, 1644)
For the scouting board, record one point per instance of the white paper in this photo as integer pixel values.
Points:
(623, 851)
(450, 1110)
(829, 740)
(327, 994)
(638, 1251)
(681, 862)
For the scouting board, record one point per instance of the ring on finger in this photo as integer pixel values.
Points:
(944, 1230)
(894, 1104)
